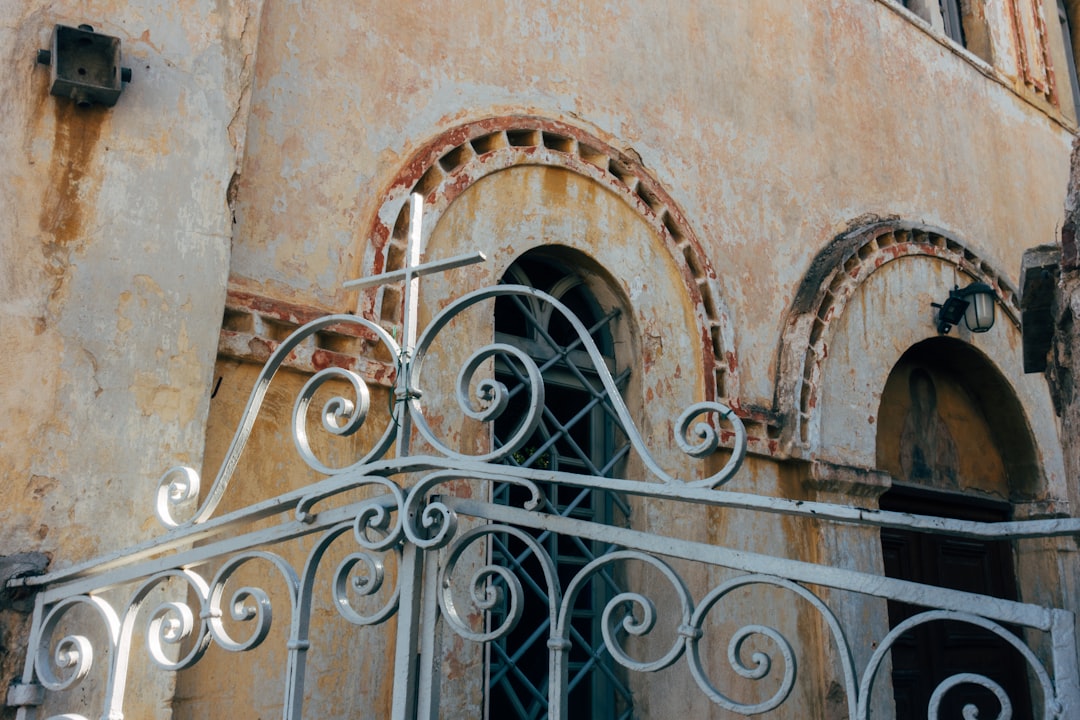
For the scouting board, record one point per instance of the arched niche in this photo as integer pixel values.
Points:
(954, 437)
(498, 151)
(949, 421)
(866, 299)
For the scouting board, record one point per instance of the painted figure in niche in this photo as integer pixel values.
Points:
(927, 449)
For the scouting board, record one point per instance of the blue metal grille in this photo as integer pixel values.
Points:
(577, 434)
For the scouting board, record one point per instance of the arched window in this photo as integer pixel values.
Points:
(578, 434)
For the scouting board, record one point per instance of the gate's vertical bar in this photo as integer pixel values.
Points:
(29, 695)
(296, 669)
(1066, 675)
(558, 675)
(410, 571)
(299, 634)
(430, 670)
(408, 632)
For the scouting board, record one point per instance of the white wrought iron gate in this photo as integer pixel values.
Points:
(412, 538)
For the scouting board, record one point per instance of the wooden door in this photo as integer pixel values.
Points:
(929, 654)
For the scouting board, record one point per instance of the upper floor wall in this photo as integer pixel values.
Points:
(772, 125)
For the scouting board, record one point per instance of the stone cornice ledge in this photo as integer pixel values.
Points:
(254, 326)
(848, 480)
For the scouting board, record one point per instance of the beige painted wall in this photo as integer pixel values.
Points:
(779, 128)
(114, 254)
(773, 126)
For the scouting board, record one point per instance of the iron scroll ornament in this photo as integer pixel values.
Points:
(696, 432)
(695, 437)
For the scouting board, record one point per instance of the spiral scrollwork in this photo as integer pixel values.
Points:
(170, 624)
(347, 582)
(429, 523)
(760, 669)
(633, 612)
(341, 416)
(485, 594)
(485, 399)
(436, 525)
(970, 712)
(633, 623)
(73, 655)
(706, 439)
(762, 663)
(493, 397)
(177, 488)
(259, 609)
(489, 397)
(374, 527)
(700, 439)
(247, 604)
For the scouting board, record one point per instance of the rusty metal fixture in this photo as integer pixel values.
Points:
(85, 66)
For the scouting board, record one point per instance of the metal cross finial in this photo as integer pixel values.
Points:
(413, 270)
(411, 274)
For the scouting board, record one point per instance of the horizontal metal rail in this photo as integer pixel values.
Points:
(1006, 611)
(326, 490)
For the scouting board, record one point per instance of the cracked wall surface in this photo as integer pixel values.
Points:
(115, 251)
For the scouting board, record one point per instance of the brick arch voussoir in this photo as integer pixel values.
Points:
(449, 164)
(834, 276)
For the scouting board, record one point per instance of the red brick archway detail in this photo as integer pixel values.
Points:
(834, 276)
(448, 165)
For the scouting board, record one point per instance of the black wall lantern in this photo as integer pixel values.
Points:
(975, 304)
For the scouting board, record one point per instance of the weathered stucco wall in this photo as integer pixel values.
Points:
(114, 265)
(266, 151)
(113, 259)
(780, 128)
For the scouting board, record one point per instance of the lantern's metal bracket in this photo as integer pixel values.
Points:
(958, 306)
(85, 66)
(951, 311)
